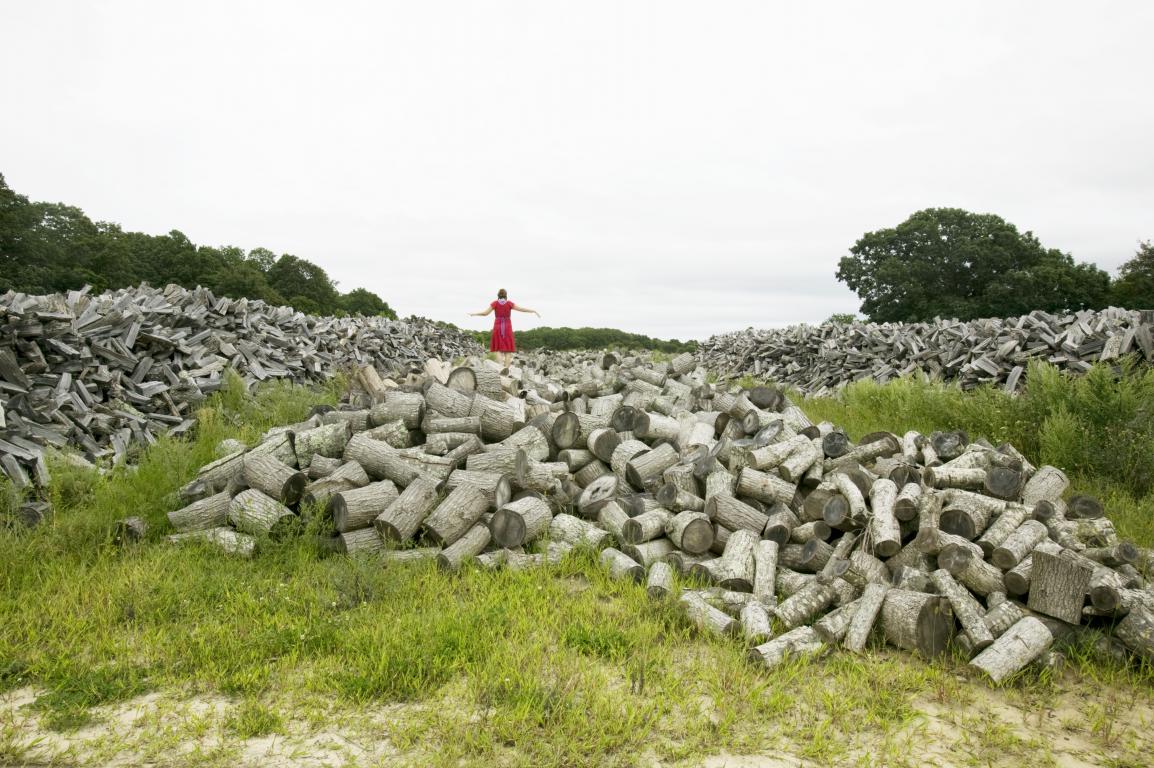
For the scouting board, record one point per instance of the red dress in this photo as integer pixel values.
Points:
(502, 338)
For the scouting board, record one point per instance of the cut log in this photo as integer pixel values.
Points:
(969, 568)
(254, 513)
(454, 516)
(470, 544)
(1019, 544)
(764, 487)
(596, 495)
(1136, 631)
(862, 621)
(327, 440)
(650, 525)
(403, 517)
(380, 460)
(805, 604)
(646, 468)
(832, 627)
(497, 487)
(1005, 524)
(1024, 642)
(577, 532)
(223, 538)
(203, 515)
(620, 565)
(917, 622)
(359, 507)
(802, 641)
(732, 514)
(1058, 586)
(968, 611)
(520, 522)
(967, 514)
(884, 533)
(612, 517)
(659, 583)
(907, 504)
(705, 616)
(755, 624)
(691, 532)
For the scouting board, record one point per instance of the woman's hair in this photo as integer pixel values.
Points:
(501, 294)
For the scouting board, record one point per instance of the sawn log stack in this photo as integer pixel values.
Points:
(731, 502)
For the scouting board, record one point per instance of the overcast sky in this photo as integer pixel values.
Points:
(672, 168)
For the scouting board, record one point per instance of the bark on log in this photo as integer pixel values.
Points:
(755, 624)
(650, 552)
(596, 495)
(967, 514)
(454, 516)
(970, 569)
(805, 604)
(798, 642)
(1136, 631)
(765, 573)
(1018, 578)
(520, 522)
(650, 525)
(254, 513)
(403, 517)
(361, 540)
(433, 425)
(273, 478)
(612, 517)
(907, 504)
(379, 460)
(359, 507)
(730, 513)
(645, 468)
(503, 461)
(407, 407)
(764, 487)
(780, 523)
(705, 616)
(497, 487)
(1018, 544)
(884, 534)
(1047, 483)
(448, 402)
(917, 622)
(968, 611)
(203, 515)
(577, 532)
(1005, 524)
(832, 627)
(1023, 643)
(223, 537)
(864, 617)
(590, 472)
(470, 544)
(620, 565)
(659, 583)
(328, 440)
(677, 499)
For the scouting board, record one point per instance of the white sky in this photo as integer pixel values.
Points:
(670, 168)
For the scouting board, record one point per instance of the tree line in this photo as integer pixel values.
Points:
(948, 262)
(52, 247)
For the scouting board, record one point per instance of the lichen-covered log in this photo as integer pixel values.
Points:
(456, 514)
(497, 487)
(647, 526)
(577, 532)
(327, 440)
(203, 515)
(864, 617)
(917, 622)
(469, 544)
(224, 538)
(254, 513)
(359, 507)
(798, 642)
(380, 460)
(1136, 631)
(520, 522)
(1024, 642)
(732, 514)
(620, 565)
(755, 623)
(967, 610)
(659, 583)
(705, 616)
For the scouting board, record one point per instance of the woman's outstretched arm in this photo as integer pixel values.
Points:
(488, 310)
(526, 309)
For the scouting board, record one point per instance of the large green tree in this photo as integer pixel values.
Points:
(952, 263)
(1134, 287)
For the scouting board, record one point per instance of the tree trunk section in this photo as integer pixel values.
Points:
(520, 522)
(254, 513)
(358, 507)
(203, 515)
(798, 642)
(1024, 642)
(917, 622)
(1058, 586)
(470, 544)
(968, 611)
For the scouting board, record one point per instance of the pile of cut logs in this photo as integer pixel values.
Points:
(730, 501)
(818, 359)
(99, 373)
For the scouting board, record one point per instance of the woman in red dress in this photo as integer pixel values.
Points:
(502, 341)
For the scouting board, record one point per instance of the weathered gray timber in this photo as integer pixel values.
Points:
(820, 359)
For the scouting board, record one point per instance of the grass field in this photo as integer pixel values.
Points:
(184, 656)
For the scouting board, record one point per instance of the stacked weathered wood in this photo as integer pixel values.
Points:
(99, 373)
(780, 529)
(817, 359)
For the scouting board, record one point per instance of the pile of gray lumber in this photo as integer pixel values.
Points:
(101, 373)
(729, 501)
(819, 359)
